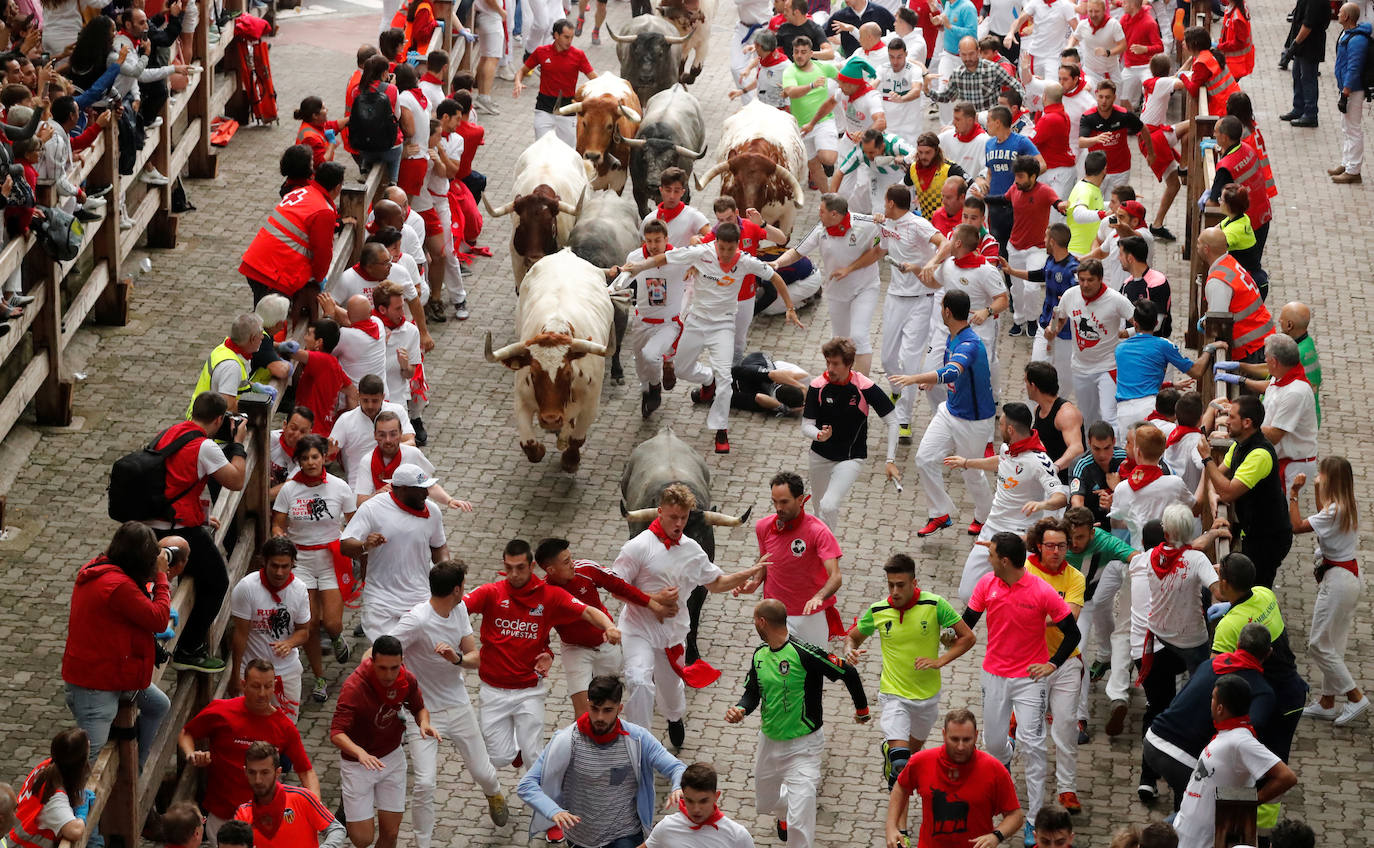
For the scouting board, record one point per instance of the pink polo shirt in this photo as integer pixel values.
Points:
(1016, 622)
(796, 553)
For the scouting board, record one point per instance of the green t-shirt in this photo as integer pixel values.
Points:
(1261, 606)
(907, 635)
(788, 682)
(1307, 354)
(804, 108)
(1103, 548)
(1088, 196)
(1255, 467)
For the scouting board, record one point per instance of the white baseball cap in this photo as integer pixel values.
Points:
(409, 474)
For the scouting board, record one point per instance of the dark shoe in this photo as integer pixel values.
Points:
(4, 330)
(705, 394)
(421, 437)
(1083, 737)
(650, 400)
(358, 631)
(342, 651)
(938, 523)
(669, 376)
(1099, 669)
(1347, 179)
(434, 313)
(461, 311)
(722, 441)
(1016, 330)
(200, 661)
(1163, 234)
(1303, 122)
(617, 371)
(84, 216)
(1032, 329)
(782, 830)
(1288, 116)
(1116, 723)
(1148, 793)
(518, 761)
(975, 527)
(677, 734)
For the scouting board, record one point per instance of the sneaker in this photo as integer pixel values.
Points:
(669, 375)
(1336, 171)
(1099, 669)
(153, 177)
(904, 433)
(461, 311)
(1028, 835)
(938, 523)
(650, 400)
(1116, 723)
(596, 38)
(342, 650)
(421, 436)
(677, 733)
(705, 394)
(887, 762)
(781, 827)
(1148, 793)
(126, 223)
(1069, 801)
(1352, 710)
(504, 72)
(975, 527)
(1032, 329)
(358, 631)
(722, 441)
(320, 693)
(99, 192)
(497, 810)
(94, 204)
(581, 21)
(200, 661)
(485, 104)
(153, 124)
(1163, 234)
(20, 300)
(554, 835)
(1316, 710)
(1083, 737)
(434, 313)
(1016, 330)
(85, 216)
(1346, 178)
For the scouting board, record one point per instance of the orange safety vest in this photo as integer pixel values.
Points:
(1250, 318)
(311, 136)
(1240, 62)
(400, 21)
(282, 246)
(1243, 163)
(1220, 85)
(26, 833)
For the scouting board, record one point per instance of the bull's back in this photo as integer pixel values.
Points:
(760, 121)
(675, 113)
(661, 460)
(564, 290)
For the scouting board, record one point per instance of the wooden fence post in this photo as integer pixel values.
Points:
(120, 820)
(53, 402)
(162, 229)
(112, 307)
(203, 163)
(258, 408)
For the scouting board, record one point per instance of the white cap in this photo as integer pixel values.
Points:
(409, 474)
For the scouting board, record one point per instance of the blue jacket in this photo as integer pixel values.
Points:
(1350, 57)
(542, 785)
(963, 21)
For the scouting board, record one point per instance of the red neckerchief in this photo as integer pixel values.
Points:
(656, 528)
(1235, 661)
(276, 599)
(779, 525)
(382, 469)
(848, 378)
(300, 477)
(1018, 115)
(1178, 433)
(1297, 372)
(358, 269)
(972, 259)
(267, 818)
(901, 611)
(1143, 475)
(970, 135)
(716, 816)
(428, 77)
(731, 266)
(840, 228)
(381, 316)
(584, 724)
(243, 352)
(530, 595)
(1155, 416)
(1106, 19)
(1164, 559)
(281, 440)
(1100, 292)
(875, 48)
(422, 512)
(420, 98)
(948, 768)
(1233, 724)
(925, 175)
(774, 58)
(1082, 83)
(370, 329)
(1126, 467)
(1030, 443)
(667, 215)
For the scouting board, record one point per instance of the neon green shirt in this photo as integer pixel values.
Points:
(1255, 468)
(1088, 196)
(1261, 606)
(906, 636)
(804, 108)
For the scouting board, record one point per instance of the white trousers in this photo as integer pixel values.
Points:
(812, 629)
(946, 63)
(1105, 626)
(1111, 181)
(649, 678)
(935, 353)
(1130, 412)
(976, 564)
(454, 292)
(786, 776)
(1027, 699)
(1063, 687)
(652, 343)
(1096, 394)
(717, 341)
(1062, 181)
(389, 8)
(1164, 16)
(458, 727)
(1333, 615)
(1060, 355)
(1027, 298)
(536, 22)
(744, 319)
(1133, 83)
(830, 484)
(1352, 134)
(905, 336)
(945, 436)
(512, 722)
(564, 125)
(290, 700)
(739, 60)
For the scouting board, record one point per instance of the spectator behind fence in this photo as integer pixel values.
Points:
(54, 800)
(235, 834)
(110, 649)
(183, 826)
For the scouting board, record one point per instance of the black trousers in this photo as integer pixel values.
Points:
(1267, 552)
(1161, 686)
(1176, 774)
(205, 566)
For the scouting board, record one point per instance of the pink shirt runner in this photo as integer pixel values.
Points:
(796, 553)
(1016, 622)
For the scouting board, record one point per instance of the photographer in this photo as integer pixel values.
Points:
(111, 649)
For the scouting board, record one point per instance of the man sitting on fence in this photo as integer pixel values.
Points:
(296, 245)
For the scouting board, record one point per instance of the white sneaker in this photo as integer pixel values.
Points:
(94, 204)
(1352, 710)
(485, 104)
(126, 223)
(153, 177)
(1316, 710)
(504, 72)
(154, 124)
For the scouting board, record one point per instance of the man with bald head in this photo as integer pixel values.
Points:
(1352, 51)
(1230, 288)
(976, 80)
(1294, 318)
(852, 15)
(362, 338)
(951, 211)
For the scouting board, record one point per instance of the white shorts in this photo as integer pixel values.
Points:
(581, 664)
(366, 791)
(315, 569)
(903, 719)
(823, 136)
(379, 621)
(491, 35)
(1133, 83)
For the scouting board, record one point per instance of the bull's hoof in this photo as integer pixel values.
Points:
(533, 451)
(572, 456)
(617, 372)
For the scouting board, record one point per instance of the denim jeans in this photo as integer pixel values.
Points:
(95, 709)
(390, 158)
(1305, 88)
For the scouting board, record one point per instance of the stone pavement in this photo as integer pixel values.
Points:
(138, 377)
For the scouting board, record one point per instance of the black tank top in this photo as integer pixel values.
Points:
(1050, 436)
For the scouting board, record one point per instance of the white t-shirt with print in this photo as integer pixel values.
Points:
(1176, 613)
(658, 291)
(315, 513)
(715, 294)
(1234, 758)
(1096, 326)
(1022, 479)
(270, 620)
(355, 435)
(839, 251)
(360, 354)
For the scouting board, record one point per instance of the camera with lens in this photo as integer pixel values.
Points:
(226, 429)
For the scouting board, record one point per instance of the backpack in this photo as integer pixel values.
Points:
(1367, 70)
(138, 481)
(372, 125)
(60, 233)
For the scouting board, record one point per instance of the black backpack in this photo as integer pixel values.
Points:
(1367, 70)
(371, 124)
(138, 481)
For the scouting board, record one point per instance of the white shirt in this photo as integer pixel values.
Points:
(1234, 758)
(1155, 112)
(397, 571)
(904, 119)
(435, 183)
(360, 354)
(405, 337)
(677, 831)
(1096, 326)
(907, 239)
(857, 115)
(434, 95)
(355, 435)
(1334, 544)
(269, 620)
(1001, 16)
(420, 115)
(419, 630)
(1113, 274)
(769, 87)
(1176, 615)
(282, 464)
(1098, 68)
(1054, 22)
(659, 291)
(1022, 479)
(1183, 459)
(1136, 508)
(838, 251)
(650, 567)
(1292, 409)
(361, 477)
(754, 11)
(1140, 603)
(684, 225)
(350, 282)
(982, 283)
(715, 294)
(315, 513)
(969, 155)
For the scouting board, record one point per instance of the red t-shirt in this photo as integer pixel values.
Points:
(944, 222)
(1030, 215)
(929, 30)
(321, 380)
(957, 801)
(1119, 125)
(558, 70)
(588, 577)
(1052, 133)
(1141, 29)
(515, 628)
(229, 729)
(797, 552)
(472, 139)
(303, 818)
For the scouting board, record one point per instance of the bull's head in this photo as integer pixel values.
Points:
(701, 523)
(536, 229)
(650, 157)
(598, 128)
(756, 180)
(650, 57)
(548, 357)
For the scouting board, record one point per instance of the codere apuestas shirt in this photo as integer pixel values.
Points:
(788, 681)
(907, 635)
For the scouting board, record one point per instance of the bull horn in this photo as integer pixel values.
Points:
(512, 349)
(614, 163)
(496, 213)
(585, 346)
(715, 171)
(567, 208)
(688, 152)
(633, 142)
(630, 115)
(570, 109)
(638, 516)
(798, 197)
(720, 519)
(675, 40)
(620, 39)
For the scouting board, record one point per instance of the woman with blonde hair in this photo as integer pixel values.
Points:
(1336, 525)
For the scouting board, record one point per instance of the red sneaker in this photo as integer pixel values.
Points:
(518, 761)
(554, 835)
(782, 830)
(937, 523)
(722, 441)
(705, 394)
(1069, 801)
(482, 251)
(975, 527)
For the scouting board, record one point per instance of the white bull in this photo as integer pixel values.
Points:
(762, 162)
(550, 179)
(693, 19)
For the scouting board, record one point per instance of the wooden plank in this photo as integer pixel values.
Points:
(22, 392)
(128, 239)
(12, 255)
(224, 89)
(183, 98)
(12, 339)
(217, 49)
(181, 153)
(90, 157)
(84, 301)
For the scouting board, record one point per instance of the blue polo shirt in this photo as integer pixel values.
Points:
(1058, 278)
(970, 392)
(963, 21)
(1141, 362)
(999, 155)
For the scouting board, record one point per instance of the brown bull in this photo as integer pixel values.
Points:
(607, 113)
